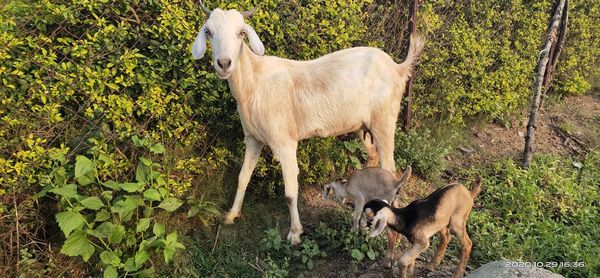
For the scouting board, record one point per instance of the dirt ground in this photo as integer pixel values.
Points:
(569, 127)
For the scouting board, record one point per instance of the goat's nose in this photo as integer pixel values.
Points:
(224, 63)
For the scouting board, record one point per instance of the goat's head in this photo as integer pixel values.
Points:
(374, 215)
(226, 31)
(337, 188)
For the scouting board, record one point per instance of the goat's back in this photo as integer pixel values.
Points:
(373, 183)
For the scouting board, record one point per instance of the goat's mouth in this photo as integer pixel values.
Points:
(223, 74)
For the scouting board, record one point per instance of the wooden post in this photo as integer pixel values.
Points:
(539, 81)
(412, 27)
(555, 52)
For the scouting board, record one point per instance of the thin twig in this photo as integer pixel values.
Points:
(216, 239)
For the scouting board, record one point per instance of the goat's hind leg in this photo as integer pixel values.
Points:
(370, 147)
(407, 260)
(460, 230)
(441, 250)
(253, 149)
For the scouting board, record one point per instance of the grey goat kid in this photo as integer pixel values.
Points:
(365, 185)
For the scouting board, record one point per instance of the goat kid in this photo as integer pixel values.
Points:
(364, 185)
(445, 211)
(282, 101)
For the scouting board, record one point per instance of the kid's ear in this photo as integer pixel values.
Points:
(379, 223)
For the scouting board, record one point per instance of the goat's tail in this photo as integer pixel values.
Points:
(417, 42)
(476, 187)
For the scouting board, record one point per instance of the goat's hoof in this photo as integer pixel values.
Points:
(429, 267)
(387, 262)
(294, 237)
(230, 218)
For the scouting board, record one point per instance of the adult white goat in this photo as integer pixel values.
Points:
(282, 101)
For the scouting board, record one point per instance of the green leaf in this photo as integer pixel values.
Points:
(145, 161)
(83, 165)
(84, 169)
(357, 254)
(130, 266)
(117, 235)
(141, 172)
(104, 230)
(78, 245)
(69, 221)
(170, 204)
(67, 191)
(92, 203)
(110, 258)
(310, 264)
(152, 194)
(137, 141)
(124, 208)
(102, 215)
(168, 253)
(142, 225)
(157, 148)
(141, 257)
(158, 229)
(112, 185)
(132, 186)
(371, 254)
(110, 272)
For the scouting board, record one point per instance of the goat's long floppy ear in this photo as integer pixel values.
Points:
(255, 43)
(406, 175)
(199, 47)
(379, 223)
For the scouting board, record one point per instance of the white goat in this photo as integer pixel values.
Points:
(282, 101)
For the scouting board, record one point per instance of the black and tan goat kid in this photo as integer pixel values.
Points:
(445, 211)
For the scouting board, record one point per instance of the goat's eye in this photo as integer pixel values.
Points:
(243, 34)
(207, 32)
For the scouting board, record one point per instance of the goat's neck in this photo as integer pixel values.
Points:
(241, 81)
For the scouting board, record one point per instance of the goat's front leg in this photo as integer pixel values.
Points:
(407, 259)
(289, 166)
(359, 203)
(253, 149)
(392, 236)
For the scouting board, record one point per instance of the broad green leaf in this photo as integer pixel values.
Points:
(168, 253)
(137, 141)
(83, 165)
(172, 237)
(78, 245)
(157, 148)
(130, 266)
(132, 186)
(371, 254)
(67, 191)
(92, 203)
(69, 221)
(357, 254)
(124, 208)
(142, 225)
(105, 229)
(110, 272)
(86, 179)
(112, 185)
(158, 229)
(170, 204)
(141, 257)
(146, 161)
(310, 264)
(141, 172)
(110, 258)
(102, 215)
(117, 235)
(152, 194)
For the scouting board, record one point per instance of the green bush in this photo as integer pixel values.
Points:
(480, 57)
(423, 151)
(548, 213)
